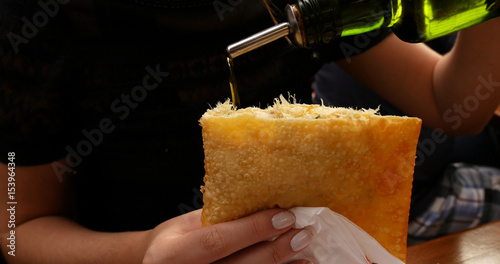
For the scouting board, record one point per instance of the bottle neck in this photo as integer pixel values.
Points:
(320, 21)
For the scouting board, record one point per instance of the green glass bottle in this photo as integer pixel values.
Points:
(410, 20)
(313, 22)
(422, 20)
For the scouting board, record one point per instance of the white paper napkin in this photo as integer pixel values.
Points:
(337, 239)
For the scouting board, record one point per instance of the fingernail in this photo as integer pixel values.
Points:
(282, 220)
(301, 240)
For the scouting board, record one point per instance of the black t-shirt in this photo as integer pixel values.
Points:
(117, 87)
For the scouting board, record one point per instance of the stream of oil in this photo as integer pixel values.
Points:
(232, 83)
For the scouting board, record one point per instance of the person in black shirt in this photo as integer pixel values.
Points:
(100, 102)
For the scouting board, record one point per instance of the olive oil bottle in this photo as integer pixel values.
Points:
(425, 20)
(410, 20)
(313, 22)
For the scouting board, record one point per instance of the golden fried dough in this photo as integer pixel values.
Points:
(355, 162)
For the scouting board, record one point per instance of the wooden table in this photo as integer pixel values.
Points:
(480, 245)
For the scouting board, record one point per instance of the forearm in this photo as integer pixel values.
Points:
(55, 240)
(467, 80)
(442, 90)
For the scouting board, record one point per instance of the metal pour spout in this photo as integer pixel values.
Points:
(291, 28)
(258, 40)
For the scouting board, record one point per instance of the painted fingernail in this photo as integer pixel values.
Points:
(282, 220)
(301, 240)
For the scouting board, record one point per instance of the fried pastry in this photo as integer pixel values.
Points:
(355, 162)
